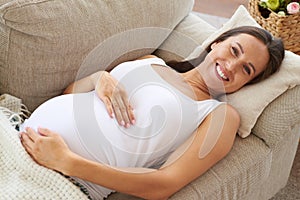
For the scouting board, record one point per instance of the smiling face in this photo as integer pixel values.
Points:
(233, 63)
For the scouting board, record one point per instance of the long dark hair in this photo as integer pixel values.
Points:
(275, 48)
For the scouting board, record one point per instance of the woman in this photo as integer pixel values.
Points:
(176, 123)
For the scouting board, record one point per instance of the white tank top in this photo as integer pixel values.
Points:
(165, 118)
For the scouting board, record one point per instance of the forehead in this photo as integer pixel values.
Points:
(254, 49)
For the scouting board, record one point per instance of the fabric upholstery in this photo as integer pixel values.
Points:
(45, 42)
(280, 117)
(190, 33)
(283, 155)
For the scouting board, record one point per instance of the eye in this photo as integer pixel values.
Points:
(235, 51)
(247, 69)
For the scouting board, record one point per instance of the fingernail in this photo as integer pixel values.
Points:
(122, 123)
(112, 115)
(127, 125)
(133, 121)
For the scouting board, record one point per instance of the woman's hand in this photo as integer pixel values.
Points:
(110, 92)
(114, 97)
(47, 148)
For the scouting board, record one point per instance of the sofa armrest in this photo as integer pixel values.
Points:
(279, 118)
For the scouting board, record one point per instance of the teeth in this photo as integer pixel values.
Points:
(221, 73)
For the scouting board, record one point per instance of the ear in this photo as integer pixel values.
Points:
(213, 45)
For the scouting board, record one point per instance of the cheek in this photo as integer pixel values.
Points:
(236, 85)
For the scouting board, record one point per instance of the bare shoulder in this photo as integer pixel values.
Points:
(223, 119)
(233, 114)
(228, 112)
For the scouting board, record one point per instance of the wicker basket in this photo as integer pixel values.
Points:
(285, 27)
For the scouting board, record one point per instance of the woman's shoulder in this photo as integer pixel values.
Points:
(223, 119)
(227, 111)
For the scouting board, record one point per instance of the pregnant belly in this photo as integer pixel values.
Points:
(71, 117)
(57, 114)
(83, 122)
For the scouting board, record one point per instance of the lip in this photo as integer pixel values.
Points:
(221, 77)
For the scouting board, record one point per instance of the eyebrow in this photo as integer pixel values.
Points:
(242, 50)
(240, 46)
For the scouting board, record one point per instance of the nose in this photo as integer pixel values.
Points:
(233, 65)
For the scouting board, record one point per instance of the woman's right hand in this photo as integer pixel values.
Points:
(47, 148)
(114, 97)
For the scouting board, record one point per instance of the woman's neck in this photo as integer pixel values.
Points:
(195, 80)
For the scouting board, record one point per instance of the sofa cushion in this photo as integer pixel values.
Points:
(45, 42)
(274, 125)
(191, 32)
(248, 107)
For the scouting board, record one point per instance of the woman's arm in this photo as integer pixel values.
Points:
(85, 84)
(50, 150)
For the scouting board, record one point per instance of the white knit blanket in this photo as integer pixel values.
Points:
(21, 178)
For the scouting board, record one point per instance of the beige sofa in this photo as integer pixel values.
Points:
(47, 44)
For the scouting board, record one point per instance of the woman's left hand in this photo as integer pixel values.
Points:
(46, 148)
